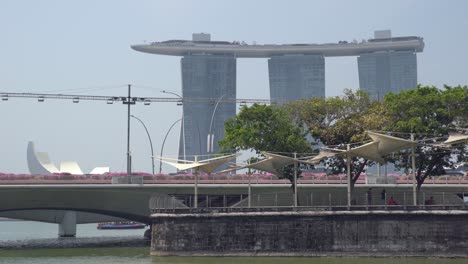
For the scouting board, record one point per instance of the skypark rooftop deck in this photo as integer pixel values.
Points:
(243, 50)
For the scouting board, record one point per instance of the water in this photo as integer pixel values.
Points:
(25, 231)
(22, 230)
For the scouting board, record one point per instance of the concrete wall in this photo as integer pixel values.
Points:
(437, 233)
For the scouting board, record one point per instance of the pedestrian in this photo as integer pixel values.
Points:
(391, 201)
(429, 201)
(383, 196)
(369, 196)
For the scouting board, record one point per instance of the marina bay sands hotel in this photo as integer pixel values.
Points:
(296, 71)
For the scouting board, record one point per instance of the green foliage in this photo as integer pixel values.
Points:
(428, 110)
(456, 101)
(338, 121)
(430, 113)
(265, 128)
(418, 111)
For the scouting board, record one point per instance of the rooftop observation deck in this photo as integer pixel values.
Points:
(243, 50)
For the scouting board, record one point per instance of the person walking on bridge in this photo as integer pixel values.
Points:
(369, 196)
(383, 196)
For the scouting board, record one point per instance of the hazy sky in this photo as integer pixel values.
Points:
(83, 47)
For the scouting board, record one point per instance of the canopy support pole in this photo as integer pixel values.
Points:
(249, 173)
(413, 164)
(295, 179)
(348, 174)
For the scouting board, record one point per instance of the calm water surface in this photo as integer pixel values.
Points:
(21, 230)
(24, 230)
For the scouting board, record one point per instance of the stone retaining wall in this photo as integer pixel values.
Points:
(378, 233)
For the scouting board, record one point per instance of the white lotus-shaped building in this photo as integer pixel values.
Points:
(40, 163)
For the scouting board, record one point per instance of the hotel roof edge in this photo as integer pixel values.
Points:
(266, 51)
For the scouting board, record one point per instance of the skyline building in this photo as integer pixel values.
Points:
(206, 76)
(387, 71)
(296, 71)
(294, 77)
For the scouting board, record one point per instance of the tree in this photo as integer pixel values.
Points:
(430, 113)
(265, 128)
(456, 101)
(338, 121)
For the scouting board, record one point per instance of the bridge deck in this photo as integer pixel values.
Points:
(434, 180)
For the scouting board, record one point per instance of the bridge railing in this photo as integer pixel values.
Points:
(201, 210)
(367, 201)
(307, 178)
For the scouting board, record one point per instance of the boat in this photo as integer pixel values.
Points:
(120, 225)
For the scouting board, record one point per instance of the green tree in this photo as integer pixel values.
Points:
(456, 101)
(265, 128)
(430, 113)
(338, 121)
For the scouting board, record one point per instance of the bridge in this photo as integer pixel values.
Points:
(71, 204)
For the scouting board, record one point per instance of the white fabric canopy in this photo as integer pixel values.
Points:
(455, 138)
(267, 165)
(323, 154)
(368, 151)
(207, 165)
(380, 146)
(389, 144)
(272, 164)
(279, 158)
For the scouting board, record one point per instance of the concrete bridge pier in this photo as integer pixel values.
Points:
(67, 227)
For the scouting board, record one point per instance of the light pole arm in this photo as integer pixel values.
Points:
(149, 138)
(211, 123)
(183, 120)
(164, 142)
(178, 95)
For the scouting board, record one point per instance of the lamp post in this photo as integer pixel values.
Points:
(149, 138)
(164, 142)
(195, 190)
(183, 124)
(128, 101)
(210, 137)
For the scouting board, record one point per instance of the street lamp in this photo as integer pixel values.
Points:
(210, 138)
(164, 142)
(129, 101)
(183, 122)
(151, 142)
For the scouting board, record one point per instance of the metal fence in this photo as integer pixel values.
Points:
(317, 201)
(219, 179)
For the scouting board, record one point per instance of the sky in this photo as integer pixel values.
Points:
(83, 47)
